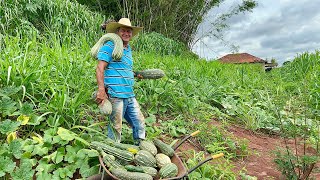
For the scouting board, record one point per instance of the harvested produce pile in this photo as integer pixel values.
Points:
(147, 161)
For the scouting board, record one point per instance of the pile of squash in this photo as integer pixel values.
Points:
(143, 162)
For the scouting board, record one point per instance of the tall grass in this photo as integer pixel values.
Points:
(47, 74)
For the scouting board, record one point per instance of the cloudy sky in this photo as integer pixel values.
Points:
(279, 29)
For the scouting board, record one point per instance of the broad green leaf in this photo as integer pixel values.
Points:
(24, 171)
(66, 134)
(8, 91)
(58, 156)
(35, 120)
(26, 109)
(63, 173)
(15, 149)
(4, 148)
(48, 135)
(6, 165)
(87, 171)
(151, 119)
(23, 119)
(39, 150)
(28, 148)
(71, 154)
(58, 140)
(8, 126)
(44, 176)
(87, 153)
(7, 107)
(80, 162)
(44, 167)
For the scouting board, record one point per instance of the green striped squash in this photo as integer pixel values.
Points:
(148, 146)
(168, 171)
(145, 158)
(126, 175)
(164, 148)
(162, 160)
(121, 154)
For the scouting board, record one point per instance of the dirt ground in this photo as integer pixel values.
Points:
(260, 161)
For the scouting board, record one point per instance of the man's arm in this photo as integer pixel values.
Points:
(101, 94)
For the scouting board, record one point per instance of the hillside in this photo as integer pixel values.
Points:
(47, 115)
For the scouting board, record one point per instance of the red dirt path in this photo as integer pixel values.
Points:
(260, 162)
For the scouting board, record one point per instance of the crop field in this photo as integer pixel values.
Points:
(48, 118)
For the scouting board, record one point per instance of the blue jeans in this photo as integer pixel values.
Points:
(129, 109)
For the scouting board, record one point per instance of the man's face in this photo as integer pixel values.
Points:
(125, 33)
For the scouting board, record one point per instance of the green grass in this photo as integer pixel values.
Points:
(48, 76)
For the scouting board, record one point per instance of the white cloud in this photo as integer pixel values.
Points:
(275, 29)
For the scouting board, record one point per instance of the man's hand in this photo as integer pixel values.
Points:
(138, 75)
(101, 95)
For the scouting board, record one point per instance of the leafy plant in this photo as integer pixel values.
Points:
(217, 170)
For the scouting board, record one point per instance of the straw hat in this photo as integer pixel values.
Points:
(123, 22)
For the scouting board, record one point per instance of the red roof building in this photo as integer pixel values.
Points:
(241, 58)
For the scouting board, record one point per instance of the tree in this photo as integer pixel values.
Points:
(176, 19)
(274, 62)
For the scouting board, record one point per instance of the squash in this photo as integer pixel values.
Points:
(118, 153)
(162, 160)
(150, 74)
(118, 46)
(164, 148)
(144, 169)
(145, 158)
(168, 171)
(148, 146)
(149, 170)
(126, 175)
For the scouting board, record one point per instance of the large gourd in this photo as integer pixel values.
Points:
(145, 158)
(150, 170)
(118, 46)
(148, 146)
(126, 175)
(168, 171)
(150, 74)
(144, 169)
(164, 148)
(110, 162)
(121, 154)
(129, 147)
(162, 160)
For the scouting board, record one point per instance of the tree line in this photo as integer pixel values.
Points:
(176, 19)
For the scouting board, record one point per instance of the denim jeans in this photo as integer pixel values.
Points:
(129, 109)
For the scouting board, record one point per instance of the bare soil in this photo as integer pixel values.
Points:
(259, 163)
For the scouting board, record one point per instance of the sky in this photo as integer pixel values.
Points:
(279, 29)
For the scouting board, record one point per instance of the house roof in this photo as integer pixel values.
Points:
(240, 58)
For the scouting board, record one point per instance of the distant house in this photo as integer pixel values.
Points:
(243, 58)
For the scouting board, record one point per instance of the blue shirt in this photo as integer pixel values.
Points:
(118, 75)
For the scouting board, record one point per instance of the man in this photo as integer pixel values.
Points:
(115, 81)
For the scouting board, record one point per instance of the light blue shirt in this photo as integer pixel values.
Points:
(118, 76)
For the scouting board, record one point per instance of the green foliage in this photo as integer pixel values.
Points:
(24, 171)
(6, 165)
(218, 170)
(57, 156)
(49, 77)
(178, 20)
(157, 43)
(61, 18)
(293, 166)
